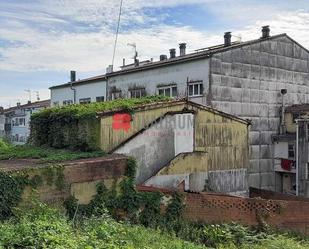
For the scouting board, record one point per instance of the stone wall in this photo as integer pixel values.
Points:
(246, 82)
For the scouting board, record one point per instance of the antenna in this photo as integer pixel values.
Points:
(238, 37)
(29, 92)
(37, 95)
(133, 45)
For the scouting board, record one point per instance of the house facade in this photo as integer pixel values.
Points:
(291, 152)
(79, 91)
(15, 121)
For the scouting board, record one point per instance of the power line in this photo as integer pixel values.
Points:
(117, 31)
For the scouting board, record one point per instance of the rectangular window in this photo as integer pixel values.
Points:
(22, 122)
(168, 91)
(195, 89)
(100, 99)
(67, 102)
(291, 152)
(116, 95)
(137, 93)
(85, 101)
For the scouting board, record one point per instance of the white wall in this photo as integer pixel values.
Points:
(150, 79)
(92, 90)
(155, 147)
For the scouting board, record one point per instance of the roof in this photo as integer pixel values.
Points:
(80, 82)
(297, 108)
(198, 54)
(175, 102)
(37, 104)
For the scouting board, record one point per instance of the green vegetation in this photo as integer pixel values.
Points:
(44, 154)
(76, 126)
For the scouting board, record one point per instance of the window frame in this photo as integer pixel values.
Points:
(84, 101)
(170, 89)
(100, 98)
(291, 148)
(200, 89)
(67, 102)
(141, 92)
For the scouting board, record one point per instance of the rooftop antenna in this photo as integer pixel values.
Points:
(133, 45)
(37, 95)
(29, 92)
(239, 38)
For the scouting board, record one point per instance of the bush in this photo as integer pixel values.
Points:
(76, 126)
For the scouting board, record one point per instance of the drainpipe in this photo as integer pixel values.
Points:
(297, 149)
(73, 79)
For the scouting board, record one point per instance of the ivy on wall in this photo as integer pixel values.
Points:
(138, 207)
(12, 185)
(76, 126)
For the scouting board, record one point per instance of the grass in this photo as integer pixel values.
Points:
(44, 154)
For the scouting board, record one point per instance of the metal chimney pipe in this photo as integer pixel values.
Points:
(172, 53)
(163, 57)
(227, 39)
(182, 49)
(265, 31)
(73, 76)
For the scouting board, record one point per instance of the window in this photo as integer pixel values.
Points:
(19, 122)
(137, 93)
(195, 89)
(67, 102)
(295, 116)
(85, 101)
(100, 99)
(56, 103)
(291, 153)
(169, 91)
(116, 95)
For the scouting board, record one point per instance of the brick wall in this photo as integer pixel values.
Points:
(220, 208)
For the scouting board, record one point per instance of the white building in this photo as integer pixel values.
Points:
(79, 92)
(240, 78)
(15, 121)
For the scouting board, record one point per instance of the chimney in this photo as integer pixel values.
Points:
(227, 39)
(73, 76)
(18, 104)
(182, 48)
(136, 62)
(29, 102)
(109, 69)
(163, 57)
(265, 31)
(123, 62)
(172, 53)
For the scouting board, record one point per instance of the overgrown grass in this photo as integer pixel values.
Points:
(42, 227)
(44, 154)
(38, 226)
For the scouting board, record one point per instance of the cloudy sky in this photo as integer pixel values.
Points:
(42, 40)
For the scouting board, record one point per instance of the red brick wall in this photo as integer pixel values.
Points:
(217, 208)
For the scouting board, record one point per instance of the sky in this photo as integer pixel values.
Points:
(42, 40)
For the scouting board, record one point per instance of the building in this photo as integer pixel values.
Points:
(181, 144)
(79, 91)
(285, 151)
(15, 121)
(241, 78)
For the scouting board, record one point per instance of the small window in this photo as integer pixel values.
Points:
(195, 89)
(295, 116)
(67, 102)
(291, 152)
(116, 95)
(22, 122)
(137, 93)
(168, 91)
(56, 103)
(100, 99)
(85, 101)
